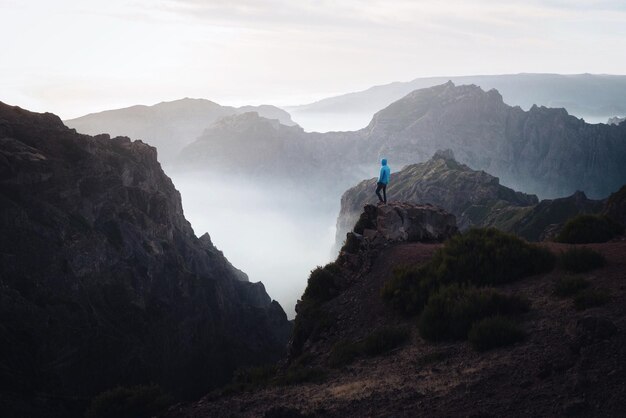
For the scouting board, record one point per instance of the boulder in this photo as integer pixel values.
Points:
(401, 222)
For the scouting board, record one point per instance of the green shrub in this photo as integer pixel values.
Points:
(251, 378)
(570, 285)
(295, 375)
(343, 353)
(254, 377)
(495, 331)
(309, 324)
(408, 290)
(376, 343)
(488, 257)
(129, 402)
(431, 358)
(586, 229)
(351, 245)
(478, 257)
(302, 361)
(580, 260)
(383, 340)
(451, 311)
(365, 221)
(590, 298)
(323, 284)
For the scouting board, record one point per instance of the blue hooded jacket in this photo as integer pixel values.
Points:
(385, 172)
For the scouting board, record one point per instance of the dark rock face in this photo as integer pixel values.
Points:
(406, 222)
(542, 151)
(474, 197)
(616, 206)
(103, 281)
(546, 219)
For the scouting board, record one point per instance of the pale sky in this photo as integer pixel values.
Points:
(73, 57)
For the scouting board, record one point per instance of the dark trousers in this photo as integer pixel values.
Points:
(383, 187)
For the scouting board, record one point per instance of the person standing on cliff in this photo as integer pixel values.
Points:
(383, 181)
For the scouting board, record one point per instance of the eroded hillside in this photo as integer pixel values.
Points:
(363, 357)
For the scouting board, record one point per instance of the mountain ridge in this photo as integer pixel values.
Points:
(103, 280)
(588, 96)
(542, 151)
(168, 125)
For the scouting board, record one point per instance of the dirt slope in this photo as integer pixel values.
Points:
(569, 364)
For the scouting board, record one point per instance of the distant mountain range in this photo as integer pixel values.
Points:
(594, 97)
(541, 151)
(169, 126)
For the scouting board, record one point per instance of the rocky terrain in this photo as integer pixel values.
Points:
(542, 151)
(476, 198)
(593, 97)
(545, 219)
(168, 126)
(615, 120)
(570, 363)
(103, 281)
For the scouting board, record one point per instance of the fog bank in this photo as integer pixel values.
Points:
(275, 234)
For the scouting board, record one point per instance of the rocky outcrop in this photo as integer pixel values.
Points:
(476, 198)
(380, 224)
(379, 228)
(168, 126)
(615, 120)
(103, 281)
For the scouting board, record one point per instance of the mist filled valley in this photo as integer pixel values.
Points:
(272, 231)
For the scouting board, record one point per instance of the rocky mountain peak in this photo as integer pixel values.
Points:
(615, 120)
(446, 154)
(169, 126)
(421, 106)
(251, 121)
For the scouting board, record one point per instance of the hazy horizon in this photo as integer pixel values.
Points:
(85, 58)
